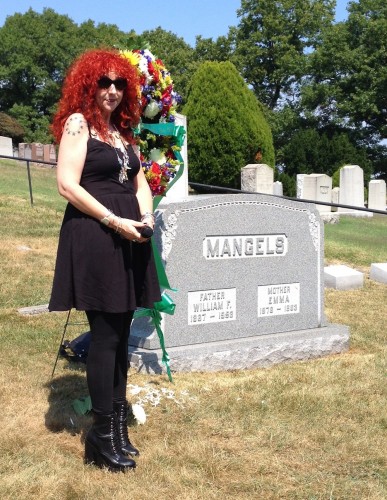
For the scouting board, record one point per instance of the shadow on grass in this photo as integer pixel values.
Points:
(63, 390)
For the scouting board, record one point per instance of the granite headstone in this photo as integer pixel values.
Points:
(249, 272)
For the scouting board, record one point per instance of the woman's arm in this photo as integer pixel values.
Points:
(71, 159)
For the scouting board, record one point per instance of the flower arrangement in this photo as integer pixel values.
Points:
(158, 103)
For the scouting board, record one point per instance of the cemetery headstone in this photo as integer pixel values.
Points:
(6, 146)
(249, 275)
(49, 153)
(377, 194)
(37, 151)
(351, 188)
(25, 150)
(258, 178)
(316, 187)
(335, 197)
(278, 188)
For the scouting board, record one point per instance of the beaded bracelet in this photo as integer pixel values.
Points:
(118, 229)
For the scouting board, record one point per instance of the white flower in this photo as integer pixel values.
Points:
(143, 66)
(139, 414)
(158, 156)
(151, 110)
(149, 54)
(135, 389)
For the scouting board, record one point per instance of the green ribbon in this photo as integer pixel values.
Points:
(167, 306)
(178, 132)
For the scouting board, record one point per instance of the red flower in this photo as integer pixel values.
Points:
(155, 168)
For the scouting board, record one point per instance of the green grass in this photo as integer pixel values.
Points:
(357, 240)
(308, 430)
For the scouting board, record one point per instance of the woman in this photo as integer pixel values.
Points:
(104, 265)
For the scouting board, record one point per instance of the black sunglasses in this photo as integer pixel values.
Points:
(105, 82)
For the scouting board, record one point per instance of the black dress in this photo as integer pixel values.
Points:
(97, 269)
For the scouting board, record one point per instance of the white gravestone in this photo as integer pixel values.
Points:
(351, 187)
(343, 277)
(278, 188)
(378, 272)
(300, 185)
(6, 146)
(335, 197)
(249, 275)
(317, 187)
(258, 178)
(377, 195)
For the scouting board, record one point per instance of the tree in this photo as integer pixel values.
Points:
(311, 151)
(272, 40)
(9, 127)
(226, 126)
(35, 52)
(349, 70)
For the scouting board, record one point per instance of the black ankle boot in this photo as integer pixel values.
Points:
(102, 445)
(121, 410)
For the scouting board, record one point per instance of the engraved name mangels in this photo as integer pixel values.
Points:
(243, 246)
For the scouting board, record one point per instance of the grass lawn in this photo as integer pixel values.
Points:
(306, 430)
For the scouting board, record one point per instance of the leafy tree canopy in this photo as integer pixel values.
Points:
(272, 39)
(9, 127)
(349, 77)
(226, 125)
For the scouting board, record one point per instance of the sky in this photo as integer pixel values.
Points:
(184, 18)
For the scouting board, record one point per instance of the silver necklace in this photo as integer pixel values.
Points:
(124, 161)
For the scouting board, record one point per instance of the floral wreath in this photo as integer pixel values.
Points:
(158, 153)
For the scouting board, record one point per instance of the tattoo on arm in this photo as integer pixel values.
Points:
(74, 125)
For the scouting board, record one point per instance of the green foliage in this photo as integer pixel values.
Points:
(9, 127)
(226, 126)
(35, 52)
(349, 77)
(336, 178)
(289, 184)
(316, 76)
(311, 151)
(271, 43)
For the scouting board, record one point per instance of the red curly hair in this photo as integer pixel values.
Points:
(80, 87)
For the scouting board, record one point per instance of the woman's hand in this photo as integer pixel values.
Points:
(129, 229)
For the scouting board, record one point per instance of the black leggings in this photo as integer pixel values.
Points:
(107, 359)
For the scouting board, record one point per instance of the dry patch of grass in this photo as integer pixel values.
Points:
(307, 430)
(304, 430)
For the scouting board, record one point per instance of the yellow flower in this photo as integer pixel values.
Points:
(133, 57)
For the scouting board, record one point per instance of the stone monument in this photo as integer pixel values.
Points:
(249, 275)
(335, 197)
(316, 187)
(352, 188)
(377, 194)
(258, 178)
(37, 151)
(278, 189)
(25, 151)
(6, 146)
(49, 153)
